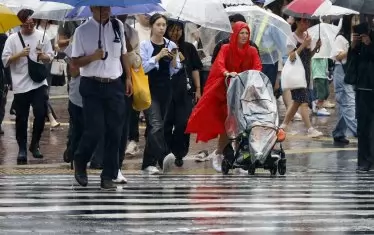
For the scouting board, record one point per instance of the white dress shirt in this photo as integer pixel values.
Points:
(21, 80)
(85, 43)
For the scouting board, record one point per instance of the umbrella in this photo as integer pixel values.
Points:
(105, 3)
(207, 13)
(268, 31)
(35, 5)
(362, 6)
(85, 12)
(8, 19)
(237, 2)
(327, 33)
(315, 9)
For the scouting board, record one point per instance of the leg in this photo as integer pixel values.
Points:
(21, 104)
(3, 100)
(290, 113)
(304, 111)
(114, 110)
(77, 128)
(39, 105)
(169, 125)
(126, 129)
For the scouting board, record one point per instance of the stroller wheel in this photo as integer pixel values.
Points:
(225, 166)
(179, 162)
(252, 169)
(282, 167)
(274, 169)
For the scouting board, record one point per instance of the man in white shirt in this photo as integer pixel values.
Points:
(27, 91)
(102, 90)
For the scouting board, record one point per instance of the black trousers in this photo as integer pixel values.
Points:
(156, 147)
(76, 128)
(3, 100)
(365, 128)
(103, 112)
(38, 100)
(126, 130)
(133, 121)
(175, 125)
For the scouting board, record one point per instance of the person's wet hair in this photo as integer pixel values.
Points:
(155, 17)
(24, 14)
(237, 17)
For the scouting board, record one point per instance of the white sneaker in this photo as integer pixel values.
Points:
(216, 161)
(202, 156)
(151, 170)
(120, 178)
(327, 104)
(168, 163)
(240, 171)
(132, 148)
(314, 107)
(297, 117)
(313, 133)
(323, 112)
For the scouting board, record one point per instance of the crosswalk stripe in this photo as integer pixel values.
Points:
(299, 202)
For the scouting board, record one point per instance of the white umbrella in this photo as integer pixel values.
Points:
(237, 2)
(207, 13)
(35, 5)
(269, 31)
(333, 10)
(327, 33)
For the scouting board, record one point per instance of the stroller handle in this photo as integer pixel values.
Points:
(227, 80)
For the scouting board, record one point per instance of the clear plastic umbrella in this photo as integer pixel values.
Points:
(237, 2)
(207, 13)
(269, 31)
(327, 33)
(37, 5)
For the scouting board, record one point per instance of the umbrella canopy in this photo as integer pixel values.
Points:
(106, 3)
(269, 31)
(8, 19)
(315, 9)
(207, 13)
(327, 33)
(79, 13)
(362, 6)
(237, 2)
(35, 5)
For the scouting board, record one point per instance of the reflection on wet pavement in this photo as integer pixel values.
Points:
(300, 202)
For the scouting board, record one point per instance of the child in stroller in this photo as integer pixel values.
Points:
(252, 125)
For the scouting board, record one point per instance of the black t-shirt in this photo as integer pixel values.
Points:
(191, 63)
(159, 77)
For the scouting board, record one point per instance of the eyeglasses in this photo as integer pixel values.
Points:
(28, 25)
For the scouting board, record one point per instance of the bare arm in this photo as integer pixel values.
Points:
(85, 60)
(126, 65)
(63, 41)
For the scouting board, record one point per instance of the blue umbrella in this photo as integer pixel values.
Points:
(85, 12)
(105, 3)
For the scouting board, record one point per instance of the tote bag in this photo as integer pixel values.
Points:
(141, 93)
(293, 75)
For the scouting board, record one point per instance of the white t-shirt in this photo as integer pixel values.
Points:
(85, 43)
(341, 44)
(21, 80)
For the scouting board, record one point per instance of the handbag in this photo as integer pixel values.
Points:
(38, 72)
(351, 72)
(58, 67)
(141, 93)
(293, 74)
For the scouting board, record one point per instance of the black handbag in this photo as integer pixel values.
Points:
(38, 72)
(351, 70)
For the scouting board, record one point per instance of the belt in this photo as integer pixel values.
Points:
(103, 80)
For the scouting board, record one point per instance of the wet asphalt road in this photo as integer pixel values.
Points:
(320, 194)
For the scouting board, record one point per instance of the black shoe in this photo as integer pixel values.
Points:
(1, 131)
(108, 185)
(363, 169)
(80, 173)
(22, 157)
(36, 152)
(66, 156)
(96, 166)
(341, 140)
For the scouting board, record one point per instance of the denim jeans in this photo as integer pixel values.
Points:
(346, 105)
(156, 147)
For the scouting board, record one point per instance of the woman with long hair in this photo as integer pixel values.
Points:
(300, 97)
(186, 91)
(208, 117)
(344, 93)
(160, 61)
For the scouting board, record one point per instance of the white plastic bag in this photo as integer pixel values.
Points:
(293, 74)
(58, 67)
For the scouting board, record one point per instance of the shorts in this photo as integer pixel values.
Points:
(321, 88)
(300, 95)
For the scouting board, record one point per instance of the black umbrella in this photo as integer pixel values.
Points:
(362, 6)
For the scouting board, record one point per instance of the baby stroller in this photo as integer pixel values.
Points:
(252, 126)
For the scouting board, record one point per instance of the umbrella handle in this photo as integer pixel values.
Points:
(100, 46)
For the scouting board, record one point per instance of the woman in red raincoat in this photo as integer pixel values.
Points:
(208, 118)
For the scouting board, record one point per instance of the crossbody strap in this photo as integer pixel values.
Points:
(22, 42)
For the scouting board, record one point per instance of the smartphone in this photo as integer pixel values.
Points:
(362, 28)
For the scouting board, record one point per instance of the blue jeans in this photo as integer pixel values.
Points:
(346, 105)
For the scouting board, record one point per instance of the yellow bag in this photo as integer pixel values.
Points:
(141, 93)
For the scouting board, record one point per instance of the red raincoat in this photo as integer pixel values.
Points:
(208, 117)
